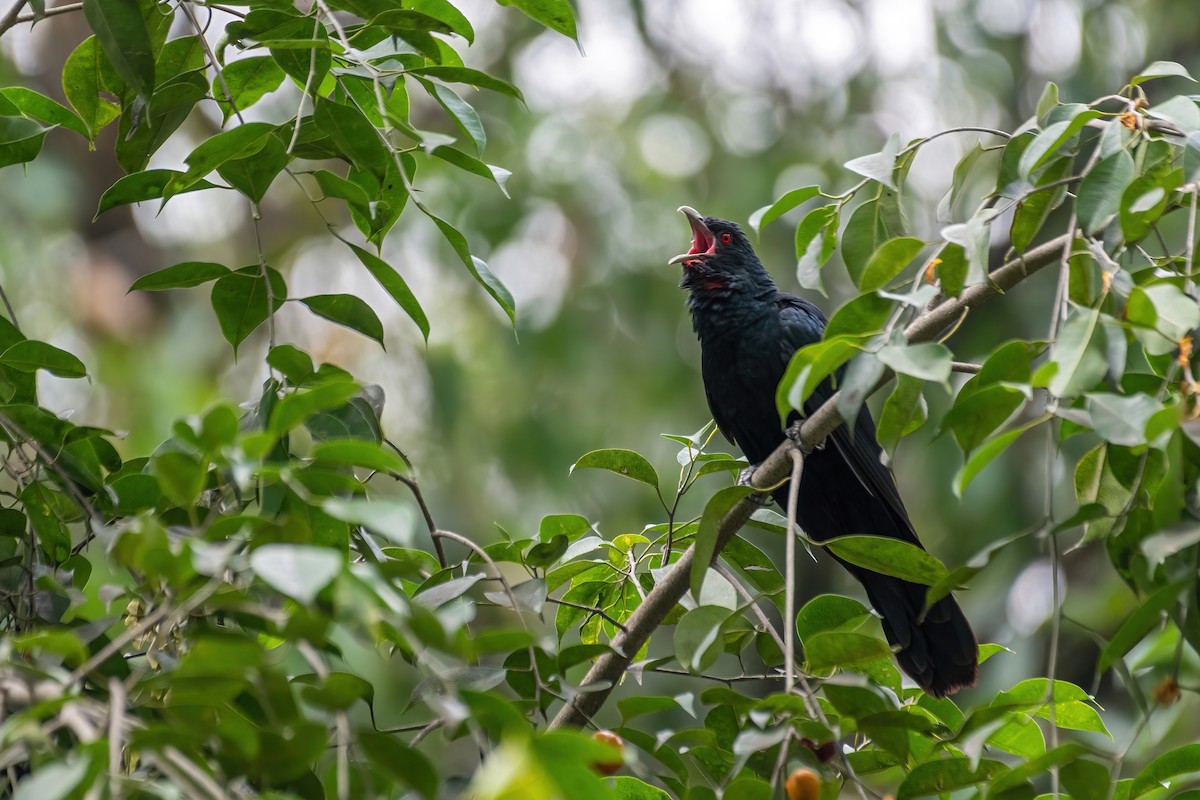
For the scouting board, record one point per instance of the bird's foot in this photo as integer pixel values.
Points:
(793, 433)
(745, 478)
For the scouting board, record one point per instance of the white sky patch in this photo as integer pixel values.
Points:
(673, 145)
(902, 35)
(749, 125)
(612, 75)
(534, 267)
(1004, 17)
(1055, 37)
(1031, 599)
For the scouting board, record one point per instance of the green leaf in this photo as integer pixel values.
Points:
(1183, 760)
(975, 416)
(253, 175)
(478, 268)
(445, 12)
(829, 612)
(903, 412)
(809, 366)
(142, 131)
(1071, 703)
(1099, 196)
(878, 166)
(396, 760)
(768, 214)
(1121, 419)
(987, 452)
(952, 271)
(240, 301)
(20, 140)
(888, 556)
(347, 310)
(829, 649)
(556, 15)
(1035, 208)
(468, 163)
(1048, 100)
(53, 780)
(860, 317)
(1050, 140)
(390, 519)
(121, 31)
(1191, 158)
(623, 462)
(706, 537)
(1144, 618)
(29, 355)
(148, 185)
(945, 775)
(359, 453)
(470, 76)
(888, 261)
(356, 138)
(1078, 353)
(180, 476)
(464, 116)
(180, 276)
(42, 108)
(1085, 779)
(1161, 69)
(929, 361)
(84, 74)
(299, 406)
(41, 507)
(248, 80)
(241, 142)
(698, 637)
(816, 240)
(299, 571)
(395, 286)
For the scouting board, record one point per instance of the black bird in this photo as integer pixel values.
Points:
(748, 331)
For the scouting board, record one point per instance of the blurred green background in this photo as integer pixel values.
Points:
(719, 104)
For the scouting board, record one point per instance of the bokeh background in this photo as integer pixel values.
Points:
(719, 104)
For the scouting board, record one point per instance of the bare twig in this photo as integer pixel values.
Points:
(600, 612)
(789, 586)
(12, 17)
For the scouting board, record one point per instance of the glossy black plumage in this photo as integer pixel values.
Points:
(748, 331)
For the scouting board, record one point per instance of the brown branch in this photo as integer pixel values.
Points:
(609, 669)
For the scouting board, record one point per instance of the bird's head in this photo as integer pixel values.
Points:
(720, 258)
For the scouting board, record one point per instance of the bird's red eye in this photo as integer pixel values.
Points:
(726, 238)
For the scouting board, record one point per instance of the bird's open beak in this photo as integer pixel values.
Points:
(703, 241)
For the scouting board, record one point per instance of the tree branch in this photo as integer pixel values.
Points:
(608, 670)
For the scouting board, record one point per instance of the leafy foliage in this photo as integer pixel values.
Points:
(227, 610)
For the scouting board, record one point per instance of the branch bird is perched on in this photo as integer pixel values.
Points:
(748, 331)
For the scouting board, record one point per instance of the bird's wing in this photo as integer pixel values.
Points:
(803, 323)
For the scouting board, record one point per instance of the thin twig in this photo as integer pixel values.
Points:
(789, 588)
(12, 17)
(590, 609)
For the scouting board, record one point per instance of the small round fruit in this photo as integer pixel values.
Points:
(609, 767)
(803, 784)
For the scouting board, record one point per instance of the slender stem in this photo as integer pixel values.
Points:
(789, 589)
(12, 17)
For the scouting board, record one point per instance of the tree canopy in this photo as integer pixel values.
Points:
(286, 561)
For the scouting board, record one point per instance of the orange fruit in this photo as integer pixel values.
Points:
(803, 784)
(609, 767)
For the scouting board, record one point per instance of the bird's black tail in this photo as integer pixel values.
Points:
(939, 652)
